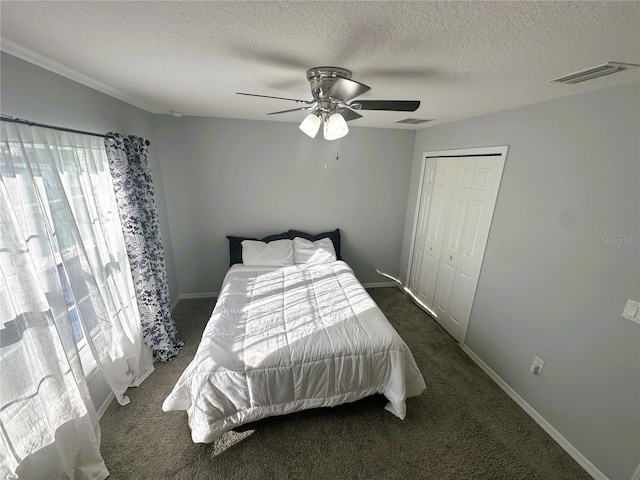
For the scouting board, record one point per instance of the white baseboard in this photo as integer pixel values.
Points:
(539, 419)
(103, 408)
(174, 303)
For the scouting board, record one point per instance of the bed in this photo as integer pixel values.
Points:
(292, 329)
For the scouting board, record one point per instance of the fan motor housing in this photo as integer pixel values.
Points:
(316, 73)
(322, 79)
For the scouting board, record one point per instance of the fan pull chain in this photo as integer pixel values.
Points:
(326, 151)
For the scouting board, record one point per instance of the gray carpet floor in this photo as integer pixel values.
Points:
(463, 426)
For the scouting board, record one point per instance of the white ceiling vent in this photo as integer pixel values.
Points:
(414, 121)
(593, 72)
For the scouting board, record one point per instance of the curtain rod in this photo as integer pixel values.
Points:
(8, 118)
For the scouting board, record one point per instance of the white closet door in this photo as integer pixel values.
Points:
(461, 171)
(443, 177)
(454, 212)
(483, 195)
(418, 256)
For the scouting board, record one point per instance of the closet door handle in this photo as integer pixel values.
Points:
(430, 248)
(450, 257)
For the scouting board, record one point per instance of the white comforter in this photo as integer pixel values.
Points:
(288, 339)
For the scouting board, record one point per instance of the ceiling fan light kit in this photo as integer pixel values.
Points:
(311, 124)
(333, 92)
(335, 127)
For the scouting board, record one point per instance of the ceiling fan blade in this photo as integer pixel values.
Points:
(348, 114)
(277, 98)
(346, 89)
(291, 110)
(395, 105)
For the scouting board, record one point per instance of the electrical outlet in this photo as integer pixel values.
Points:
(632, 311)
(536, 365)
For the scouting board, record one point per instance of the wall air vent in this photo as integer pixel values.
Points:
(414, 121)
(593, 72)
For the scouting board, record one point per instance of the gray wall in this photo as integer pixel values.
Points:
(36, 94)
(554, 281)
(233, 177)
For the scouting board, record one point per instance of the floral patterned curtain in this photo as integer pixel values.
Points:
(131, 174)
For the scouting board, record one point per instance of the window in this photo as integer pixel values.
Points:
(66, 300)
(59, 191)
(71, 305)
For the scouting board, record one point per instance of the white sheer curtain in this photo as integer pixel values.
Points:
(65, 293)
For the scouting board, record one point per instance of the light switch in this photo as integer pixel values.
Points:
(632, 311)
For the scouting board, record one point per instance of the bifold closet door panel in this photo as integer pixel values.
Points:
(457, 201)
(480, 210)
(417, 281)
(462, 295)
(423, 253)
(445, 177)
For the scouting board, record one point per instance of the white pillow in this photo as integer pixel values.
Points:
(277, 253)
(320, 251)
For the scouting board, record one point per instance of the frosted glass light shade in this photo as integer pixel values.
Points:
(335, 127)
(310, 125)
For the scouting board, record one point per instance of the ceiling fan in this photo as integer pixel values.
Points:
(333, 103)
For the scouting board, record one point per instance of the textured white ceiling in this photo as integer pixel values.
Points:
(460, 59)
